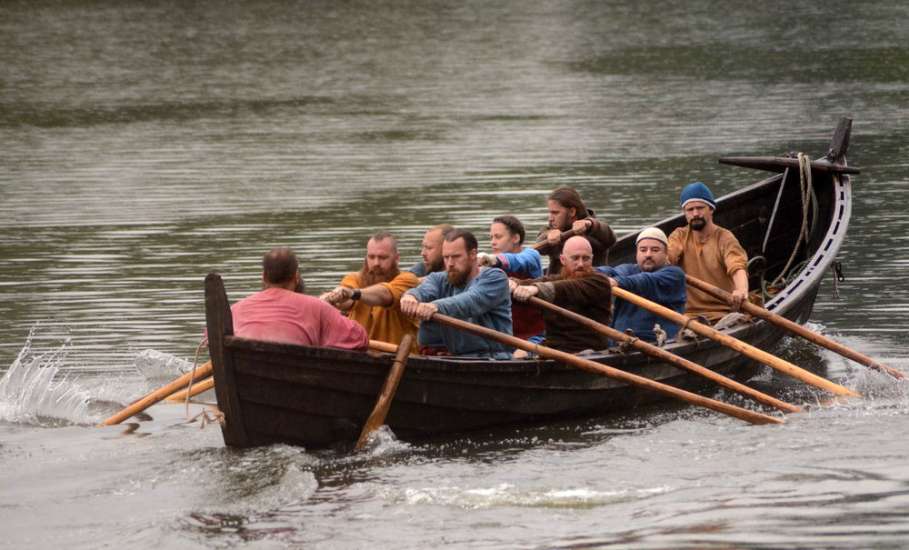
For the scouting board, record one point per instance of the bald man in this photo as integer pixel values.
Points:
(578, 288)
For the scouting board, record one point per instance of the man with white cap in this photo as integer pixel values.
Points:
(710, 253)
(652, 277)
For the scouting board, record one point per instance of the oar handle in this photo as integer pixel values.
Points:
(779, 320)
(565, 235)
(658, 352)
(599, 368)
(733, 343)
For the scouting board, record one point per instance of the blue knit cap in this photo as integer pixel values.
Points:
(697, 191)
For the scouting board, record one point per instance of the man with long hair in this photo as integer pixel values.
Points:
(567, 212)
(372, 295)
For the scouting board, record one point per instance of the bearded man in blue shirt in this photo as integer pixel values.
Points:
(465, 291)
(652, 277)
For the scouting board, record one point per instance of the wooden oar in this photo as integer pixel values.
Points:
(593, 366)
(379, 345)
(159, 394)
(748, 350)
(195, 390)
(383, 403)
(780, 321)
(660, 353)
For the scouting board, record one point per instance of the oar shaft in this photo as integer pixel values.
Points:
(747, 350)
(780, 321)
(660, 353)
(565, 235)
(159, 394)
(383, 403)
(593, 366)
(196, 389)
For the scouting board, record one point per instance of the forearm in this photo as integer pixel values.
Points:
(740, 280)
(376, 295)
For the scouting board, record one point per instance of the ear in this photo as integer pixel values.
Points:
(574, 213)
(515, 238)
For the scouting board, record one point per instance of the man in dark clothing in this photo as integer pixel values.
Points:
(568, 212)
(578, 288)
(652, 277)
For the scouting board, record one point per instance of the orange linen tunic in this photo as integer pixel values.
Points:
(713, 261)
(386, 324)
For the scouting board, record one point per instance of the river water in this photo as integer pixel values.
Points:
(143, 145)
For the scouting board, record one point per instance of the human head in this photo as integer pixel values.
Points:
(381, 262)
(280, 269)
(431, 247)
(576, 257)
(565, 207)
(698, 205)
(506, 234)
(652, 249)
(459, 252)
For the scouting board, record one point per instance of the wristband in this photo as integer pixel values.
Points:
(355, 295)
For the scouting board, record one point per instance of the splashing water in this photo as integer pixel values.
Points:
(31, 394)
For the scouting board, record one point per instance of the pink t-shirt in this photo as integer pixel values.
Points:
(279, 315)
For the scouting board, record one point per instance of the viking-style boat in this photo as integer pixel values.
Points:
(318, 397)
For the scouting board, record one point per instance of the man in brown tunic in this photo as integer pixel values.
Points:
(568, 212)
(710, 253)
(578, 288)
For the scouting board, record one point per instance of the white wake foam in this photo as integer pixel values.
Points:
(32, 393)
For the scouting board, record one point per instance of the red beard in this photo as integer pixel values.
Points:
(568, 273)
(369, 277)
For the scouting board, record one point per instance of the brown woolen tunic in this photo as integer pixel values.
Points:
(590, 296)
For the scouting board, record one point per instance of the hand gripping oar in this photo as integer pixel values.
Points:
(747, 350)
(780, 321)
(562, 238)
(593, 366)
(159, 394)
(383, 403)
(668, 357)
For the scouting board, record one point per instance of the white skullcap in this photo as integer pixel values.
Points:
(652, 233)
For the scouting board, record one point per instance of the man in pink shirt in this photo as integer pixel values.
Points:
(278, 314)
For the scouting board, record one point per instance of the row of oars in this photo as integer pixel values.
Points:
(179, 390)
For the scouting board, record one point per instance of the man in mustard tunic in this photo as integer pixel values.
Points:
(710, 253)
(372, 296)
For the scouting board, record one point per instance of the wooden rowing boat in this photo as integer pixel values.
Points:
(317, 397)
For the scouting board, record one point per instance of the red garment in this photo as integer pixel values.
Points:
(279, 315)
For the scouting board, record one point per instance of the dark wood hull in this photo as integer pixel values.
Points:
(314, 397)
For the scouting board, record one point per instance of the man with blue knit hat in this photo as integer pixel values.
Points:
(652, 277)
(710, 253)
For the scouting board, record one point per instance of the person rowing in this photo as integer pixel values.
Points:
(506, 239)
(654, 278)
(464, 291)
(578, 288)
(709, 252)
(372, 295)
(279, 314)
(567, 212)
(431, 251)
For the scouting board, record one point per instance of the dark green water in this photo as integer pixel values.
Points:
(143, 145)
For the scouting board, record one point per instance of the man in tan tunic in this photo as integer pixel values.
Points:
(710, 253)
